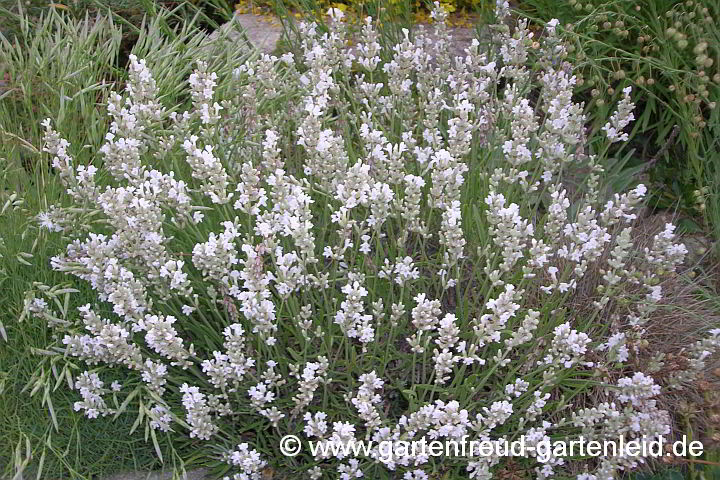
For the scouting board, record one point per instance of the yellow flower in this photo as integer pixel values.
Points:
(448, 6)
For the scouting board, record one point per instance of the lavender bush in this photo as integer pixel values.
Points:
(383, 244)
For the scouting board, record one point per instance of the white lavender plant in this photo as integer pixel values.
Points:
(396, 256)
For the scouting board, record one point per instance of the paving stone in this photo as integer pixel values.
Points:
(264, 32)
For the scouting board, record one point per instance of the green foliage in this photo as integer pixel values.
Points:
(14, 11)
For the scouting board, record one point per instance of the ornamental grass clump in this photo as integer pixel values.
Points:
(380, 245)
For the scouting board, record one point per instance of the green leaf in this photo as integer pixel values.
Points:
(687, 225)
(141, 415)
(41, 464)
(51, 409)
(156, 445)
(126, 402)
